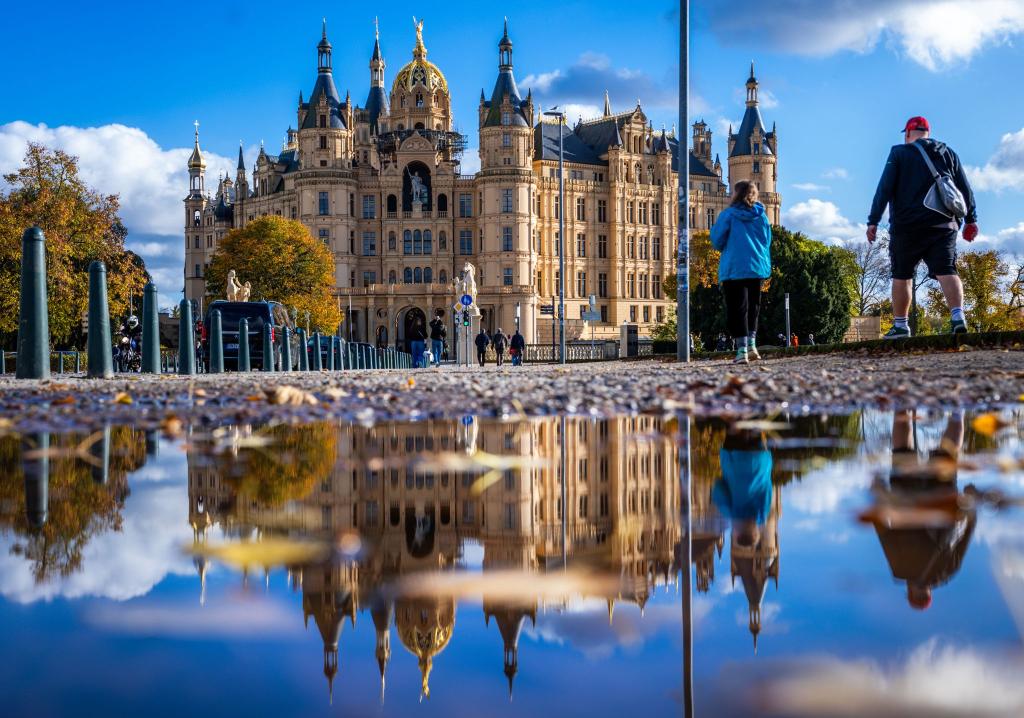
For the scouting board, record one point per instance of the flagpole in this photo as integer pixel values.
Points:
(683, 251)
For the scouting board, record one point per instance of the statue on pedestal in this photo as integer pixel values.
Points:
(467, 285)
(237, 292)
(418, 192)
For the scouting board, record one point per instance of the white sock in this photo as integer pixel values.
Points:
(752, 341)
(957, 314)
(900, 322)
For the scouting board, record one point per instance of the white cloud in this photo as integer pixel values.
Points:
(1004, 169)
(585, 81)
(254, 619)
(936, 34)
(821, 220)
(811, 187)
(574, 111)
(836, 173)
(826, 491)
(470, 161)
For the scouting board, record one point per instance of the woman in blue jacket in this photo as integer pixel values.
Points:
(744, 237)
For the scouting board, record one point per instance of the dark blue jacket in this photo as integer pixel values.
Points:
(906, 180)
(482, 341)
(744, 237)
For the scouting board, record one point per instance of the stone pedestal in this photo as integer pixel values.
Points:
(467, 342)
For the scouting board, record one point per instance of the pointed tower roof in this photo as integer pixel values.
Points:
(504, 86)
(241, 160)
(196, 160)
(607, 105)
(324, 89)
(752, 122)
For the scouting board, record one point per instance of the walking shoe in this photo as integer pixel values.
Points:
(897, 333)
(741, 358)
(958, 326)
(752, 353)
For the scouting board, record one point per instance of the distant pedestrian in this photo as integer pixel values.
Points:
(926, 190)
(782, 340)
(723, 343)
(419, 342)
(810, 340)
(499, 341)
(794, 341)
(516, 348)
(743, 235)
(482, 342)
(437, 334)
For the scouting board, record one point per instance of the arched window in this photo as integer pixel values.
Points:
(392, 203)
(407, 242)
(419, 126)
(195, 219)
(419, 103)
(442, 203)
(428, 245)
(442, 241)
(417, 276)
(392, 241)
(407, 275)
(442, 277)
(428, 275)
(392, 277)
(417, 242)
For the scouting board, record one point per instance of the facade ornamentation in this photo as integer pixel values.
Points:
(381, 185)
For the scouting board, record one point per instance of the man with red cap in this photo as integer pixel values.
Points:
(921, 226)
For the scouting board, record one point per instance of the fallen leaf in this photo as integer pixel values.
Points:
(411, 383)
(988, 424)
(172, 426)
(122, 397)
(64, 400)
(290, 396)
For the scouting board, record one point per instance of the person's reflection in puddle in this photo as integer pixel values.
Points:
(746, 496)
(921, 519)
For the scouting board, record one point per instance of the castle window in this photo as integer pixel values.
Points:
(323, 142)
(655, 213)
(419, 99)
(428, 245)
(392, 277)
(643, 212)
(369, 278)
(632, 313)
(197, 242)
(369, 244)
(659, 317)
(407, 275)
(656, 287)
(407, 242)
(506, 277)
(506, 118)
(325, 236)
(417, 276)
(465, 205)
(323, 120)
(442, 204)
(602, 246)
(581, 209)
(643, 286)
(757, 167)
(581, 245)
(443, 277)
(195, 219)
(602, 210)
(369, 206)
(199, 271)
(655, 247)
(417, 242)
(558, 207)
(631, 289)
(392, 242)
(506, 239)
(295, 212)
(711, 218)
(757, 148)
(506, 200)
(325, 206)
(630, 247)
(465, 241)
(643, 247)
(506, 140)
(581, 284)
(428, 275)
(602, 287)
(442, 240)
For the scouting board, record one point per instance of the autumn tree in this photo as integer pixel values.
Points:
(284, 263)
(80, 224)
(866, 273)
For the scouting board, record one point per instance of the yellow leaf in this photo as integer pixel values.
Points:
(122, 397)
(988, 424)
(411, 383)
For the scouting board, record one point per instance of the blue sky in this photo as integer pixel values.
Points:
(121, 84)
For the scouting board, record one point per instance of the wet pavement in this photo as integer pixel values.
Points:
(866, 563)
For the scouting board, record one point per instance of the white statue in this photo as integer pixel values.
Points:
(419, 188)
(244, 292)
(467, 285)
(233, 287)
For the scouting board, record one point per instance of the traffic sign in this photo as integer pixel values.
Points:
(591, 316)
(547, 309)
(466, 300)
(467, 420)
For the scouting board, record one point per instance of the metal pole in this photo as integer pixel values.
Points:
(683, 251)
(565, 509)
(789, 342)
(561, 243)
(687, 551)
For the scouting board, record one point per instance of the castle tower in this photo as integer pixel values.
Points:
(419, 94)
(382, 615)
(377, 107)
(506, 183)
(753, 153)
(325, 137)
(195, 205)
(510, 624)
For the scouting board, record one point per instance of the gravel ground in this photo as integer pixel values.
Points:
(834, 383)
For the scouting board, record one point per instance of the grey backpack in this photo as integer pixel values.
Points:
(944, 196)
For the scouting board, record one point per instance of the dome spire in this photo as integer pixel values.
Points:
(323, 51)
(607, 105)
(196, 160)
(505, 50)
(752, 87)
(420, 51)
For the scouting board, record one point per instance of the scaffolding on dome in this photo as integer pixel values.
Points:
(451, 143)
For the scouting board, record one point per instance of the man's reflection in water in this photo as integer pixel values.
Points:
(746, 496)
(926, 532)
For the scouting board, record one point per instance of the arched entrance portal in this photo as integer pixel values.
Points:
(407, 320)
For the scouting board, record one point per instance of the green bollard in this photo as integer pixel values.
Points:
(268, 347)
(216, 343)
(330, 354)
(318, 362)
(186, 340)
(78, 362)
(3, 361)
(303, 350)
(339, 360)
(37, 479)
(33, 322)
(150, 331)
(101, 362)
(286, 349)
(243, 345)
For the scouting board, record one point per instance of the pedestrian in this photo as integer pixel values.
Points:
(782, 340)
(437, 335)
(723, 343)
(794, 341)
(499, 341)
(743, 235)
(925, 215)
(419, 342)
(517, 347)
(482, 342)
(810, 339)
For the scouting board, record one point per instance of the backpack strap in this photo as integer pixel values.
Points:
(927, 160)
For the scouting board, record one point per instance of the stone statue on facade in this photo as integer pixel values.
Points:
(467, 285)
(419, 188)
(244, 292)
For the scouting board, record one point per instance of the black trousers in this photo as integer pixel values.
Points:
(742, 305)
(481, 356)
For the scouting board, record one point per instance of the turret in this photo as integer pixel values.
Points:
(196, 169)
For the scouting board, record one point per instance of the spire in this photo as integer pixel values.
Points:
(323, 52)
(377, 63)
(505, 50)
(241, 160)
(196, 160)
(607, 105)
(420, 51)
(752, 87)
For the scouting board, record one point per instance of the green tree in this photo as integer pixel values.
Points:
(991, 292)
(284, 263)
(80, 224)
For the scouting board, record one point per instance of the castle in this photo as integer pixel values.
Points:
(381, 186)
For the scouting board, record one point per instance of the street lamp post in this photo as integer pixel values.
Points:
(555, 112)
(683, 252)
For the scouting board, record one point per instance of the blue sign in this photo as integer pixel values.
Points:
(466, 300)
(467, 420)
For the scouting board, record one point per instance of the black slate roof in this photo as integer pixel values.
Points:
(324, 87)
(377, 106)
(545, 145)
(506, 85)
(751, 120)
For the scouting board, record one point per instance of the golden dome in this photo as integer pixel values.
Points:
(420, 72)
(425, 628)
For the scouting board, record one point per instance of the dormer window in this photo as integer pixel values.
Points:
(506, 118)
(506, 140)
(757, 148)
(323, 120)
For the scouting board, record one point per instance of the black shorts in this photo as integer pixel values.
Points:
(935, 246)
